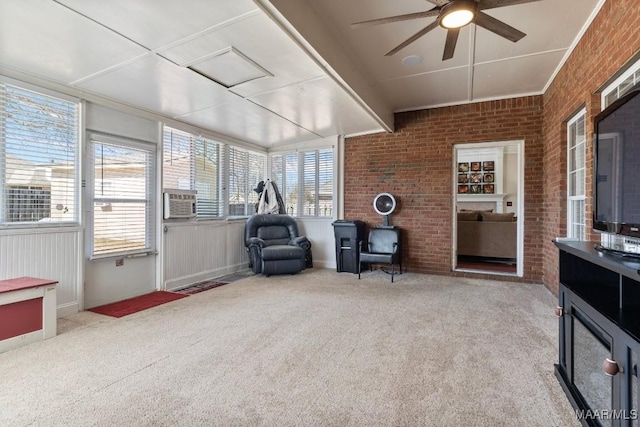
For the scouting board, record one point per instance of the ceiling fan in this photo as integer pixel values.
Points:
(453, 15)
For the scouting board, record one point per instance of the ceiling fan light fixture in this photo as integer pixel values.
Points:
(457, 13)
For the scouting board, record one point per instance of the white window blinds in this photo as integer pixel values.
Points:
(306, 181)
(622, 86)
(178, 160)
(576, 142)
(291, 183)
(257, 171)
(310, 183)
(194, 163)
(237, 182)
(246, 170)
(122, 189)
(38, 157)
(324, 195)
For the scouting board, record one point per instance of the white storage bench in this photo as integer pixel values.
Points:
(27, 311)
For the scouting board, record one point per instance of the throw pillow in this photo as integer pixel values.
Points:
(497, 217)
(468, 216)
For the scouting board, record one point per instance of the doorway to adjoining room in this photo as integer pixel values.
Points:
(488, 207)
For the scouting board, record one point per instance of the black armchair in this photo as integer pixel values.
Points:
(274, 245)
(383, 247)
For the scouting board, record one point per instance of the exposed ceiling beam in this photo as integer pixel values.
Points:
(301, 23)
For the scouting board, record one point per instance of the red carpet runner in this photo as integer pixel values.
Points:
(133, 305)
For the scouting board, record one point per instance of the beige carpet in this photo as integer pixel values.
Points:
(315, 349)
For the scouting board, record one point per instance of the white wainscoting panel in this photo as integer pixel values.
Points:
(46, 255)
(236, 251)
(194, 252)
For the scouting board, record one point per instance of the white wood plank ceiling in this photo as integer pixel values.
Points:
(282, 71)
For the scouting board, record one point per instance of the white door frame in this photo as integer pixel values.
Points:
(519, 145)
(120, 276)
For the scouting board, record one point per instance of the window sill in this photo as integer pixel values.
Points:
(133, 254)
(38, 228)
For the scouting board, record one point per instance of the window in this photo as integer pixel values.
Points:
(622, 85)
(576, 141)
(194, 163)
(246, 170)
(38, 157)
(122, 192)
(284, 170)
(305, 180)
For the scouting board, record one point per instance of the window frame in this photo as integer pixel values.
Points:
(297, 209)
(573, 199)
(250, 196)
(225, 150)
(195, 140)
(621, 85)
(76, 128)
(150, 198)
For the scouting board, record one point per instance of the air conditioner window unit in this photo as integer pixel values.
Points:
(179, 204)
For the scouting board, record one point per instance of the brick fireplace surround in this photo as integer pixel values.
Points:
(415, 162)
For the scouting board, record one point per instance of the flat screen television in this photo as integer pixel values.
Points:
(617, 167)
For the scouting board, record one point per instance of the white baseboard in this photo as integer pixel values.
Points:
(324, 264)
(67, 309)
(181, 282)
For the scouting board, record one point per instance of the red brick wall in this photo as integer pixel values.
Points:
(415, 162)
(610, 42)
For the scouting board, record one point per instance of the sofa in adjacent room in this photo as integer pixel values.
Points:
(487, 234)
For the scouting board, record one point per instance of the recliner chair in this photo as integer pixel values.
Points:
(274, 245)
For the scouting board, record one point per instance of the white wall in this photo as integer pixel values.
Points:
(107, 120)
(320, 232)
(511, 180)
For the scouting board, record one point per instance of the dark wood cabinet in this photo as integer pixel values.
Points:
(599, 334)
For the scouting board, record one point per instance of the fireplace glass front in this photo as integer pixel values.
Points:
(591, 347)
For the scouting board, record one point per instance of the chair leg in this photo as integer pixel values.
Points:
(359, 266)
(393, 272)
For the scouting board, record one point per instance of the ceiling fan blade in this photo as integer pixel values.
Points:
(433, 12)
(450, 43)
(496, 26)
(438, 3)
(413, 38)
(492, 4)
